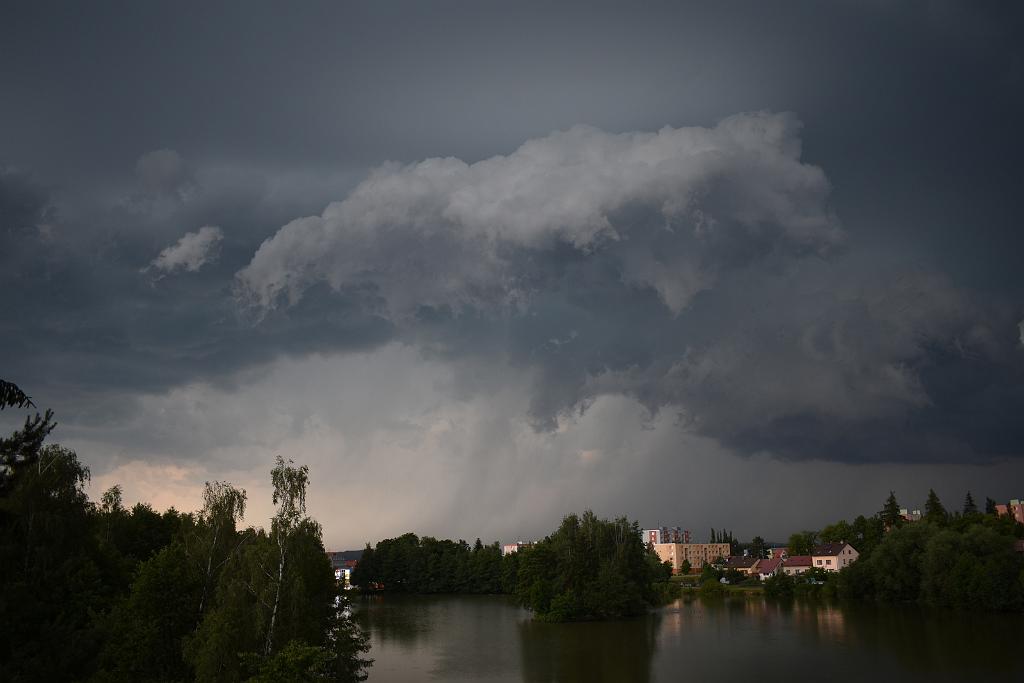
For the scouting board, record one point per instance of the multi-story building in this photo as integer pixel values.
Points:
(910, 515)
(1015, 509)
(666, 534)
(697, 554)
(833, 556)
(509, 548)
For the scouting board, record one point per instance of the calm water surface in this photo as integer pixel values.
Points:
(487, 638)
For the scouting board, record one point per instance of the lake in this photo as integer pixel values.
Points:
(488, 638)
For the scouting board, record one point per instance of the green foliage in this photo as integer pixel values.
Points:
(779, 586)
(105, 593)
(711, 588)
(802, 543)
(990, 506)
(758, 548)
(54, 575)
(934, 512)
(969, 507)
(409, 564)
(684, 568)
(589, 569)
(890, 514)
(967, 564)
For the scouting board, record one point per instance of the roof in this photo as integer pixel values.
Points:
(797, 561)
(769, 566)
(831, 549)
(738, 562)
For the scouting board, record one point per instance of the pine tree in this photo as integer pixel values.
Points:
(969, 507)
(990, 506)
(933, 509)
(890, 513)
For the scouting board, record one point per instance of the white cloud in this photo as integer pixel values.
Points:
(442, 231)
(191, 252)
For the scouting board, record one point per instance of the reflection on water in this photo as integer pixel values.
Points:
(612, 651)
(488, 638)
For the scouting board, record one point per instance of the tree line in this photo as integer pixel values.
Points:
(588, 569)
(102, 592)
(963, 559)
(410, 564)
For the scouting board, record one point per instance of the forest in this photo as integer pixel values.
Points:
(102, 592)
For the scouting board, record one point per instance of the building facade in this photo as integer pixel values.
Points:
(1015, 509)
(666, 534)
(833, 556)
(697, 554)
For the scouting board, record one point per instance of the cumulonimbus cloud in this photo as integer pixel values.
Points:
(680, 268)
(191, 252)
(674, 207)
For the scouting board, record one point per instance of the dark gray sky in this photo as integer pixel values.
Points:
(481, 265)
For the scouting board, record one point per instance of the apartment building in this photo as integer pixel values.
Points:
(697, 554)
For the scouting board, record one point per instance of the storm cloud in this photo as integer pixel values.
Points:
(695, 270)
(502, 262)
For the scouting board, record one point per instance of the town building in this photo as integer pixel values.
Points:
(796, 564)
(767, 568)
(910, 515)
(777, 552)
(343, 562)
(1015, 509)
(745, 564)
(666, 534)
(833, 556)
(697, 554)
(509, 548)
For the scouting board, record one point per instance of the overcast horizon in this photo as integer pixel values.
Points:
(482, 266)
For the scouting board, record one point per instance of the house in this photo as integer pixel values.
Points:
(833, 556)
(768, 568)
(744, 564)
(777, 552)
(697, 554)
(796, 564)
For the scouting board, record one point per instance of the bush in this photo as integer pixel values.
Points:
(779, 586)
(712, 588)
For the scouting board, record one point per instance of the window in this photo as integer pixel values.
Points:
(819, 561)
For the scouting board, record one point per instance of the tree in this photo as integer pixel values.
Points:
(53, 582)
(802, 543)
(969, 507)
(933, 510)
(213, 539)
(588, 569)
(890, 513)
(758, 548)
(990, 506)
(13, 397)
(840, 531)
(290, 497)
